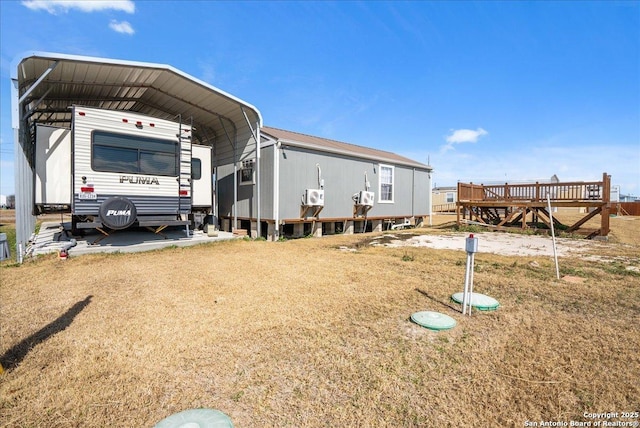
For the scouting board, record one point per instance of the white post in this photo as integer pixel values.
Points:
(553, 237)
(473, 257)
(465, 294)
(430, 207)
(471, 247)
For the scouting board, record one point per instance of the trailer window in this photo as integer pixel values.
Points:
(133, 154)
(196, 169)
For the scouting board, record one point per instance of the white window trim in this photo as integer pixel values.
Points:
(453, 197)
(393, 184)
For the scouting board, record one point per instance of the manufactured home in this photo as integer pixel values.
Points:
(444, 199)
(115, 169)
(315, 186)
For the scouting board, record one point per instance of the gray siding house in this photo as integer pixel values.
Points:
(307, 185)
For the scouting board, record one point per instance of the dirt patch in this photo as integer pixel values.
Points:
(573, 279)
(507, 244)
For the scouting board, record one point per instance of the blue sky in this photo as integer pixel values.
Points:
(486, 91)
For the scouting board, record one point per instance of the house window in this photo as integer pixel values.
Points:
(386, 183)
(450, 197)
(247, 175)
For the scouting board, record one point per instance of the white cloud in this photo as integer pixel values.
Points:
(56, 6)
(458, 136)
(121, 27)
(465, 135)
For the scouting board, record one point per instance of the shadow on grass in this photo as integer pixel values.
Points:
(445, 304)
(13, 356)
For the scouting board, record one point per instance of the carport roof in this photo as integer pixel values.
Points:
(58, 81)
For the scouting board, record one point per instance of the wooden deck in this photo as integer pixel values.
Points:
(526, 205)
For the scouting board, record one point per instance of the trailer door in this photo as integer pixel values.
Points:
(201, 176)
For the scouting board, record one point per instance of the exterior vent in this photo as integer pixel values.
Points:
(365, 198)
(314, 197)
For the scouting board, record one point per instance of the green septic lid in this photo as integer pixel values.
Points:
(433, 320)
(196, 418)
(478, 301)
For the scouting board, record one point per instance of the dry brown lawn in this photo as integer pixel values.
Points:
(303, 333)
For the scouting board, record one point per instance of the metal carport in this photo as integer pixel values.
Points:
(45, 85)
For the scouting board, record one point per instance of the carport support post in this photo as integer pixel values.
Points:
(23, 161)
(256, 136)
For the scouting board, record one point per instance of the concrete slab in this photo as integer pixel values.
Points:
(54, 236)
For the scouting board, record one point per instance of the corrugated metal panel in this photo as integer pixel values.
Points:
(247, 194)
(154, 89)
(225, 187)
(224, 150)
(247, 201)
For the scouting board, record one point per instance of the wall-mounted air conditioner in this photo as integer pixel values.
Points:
(365, 198)
(314, 197)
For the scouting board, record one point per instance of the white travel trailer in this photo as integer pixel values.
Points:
(117, 169)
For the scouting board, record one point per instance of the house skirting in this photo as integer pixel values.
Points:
(317, 227)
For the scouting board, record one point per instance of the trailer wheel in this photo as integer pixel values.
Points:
(118, 213)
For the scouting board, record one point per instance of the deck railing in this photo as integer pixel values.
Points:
(536, 192)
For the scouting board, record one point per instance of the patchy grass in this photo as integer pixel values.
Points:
(303, 333)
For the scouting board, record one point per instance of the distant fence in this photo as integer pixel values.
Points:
(443, 208)
(629, 208)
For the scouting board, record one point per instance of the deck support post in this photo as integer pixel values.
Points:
(606, 208)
